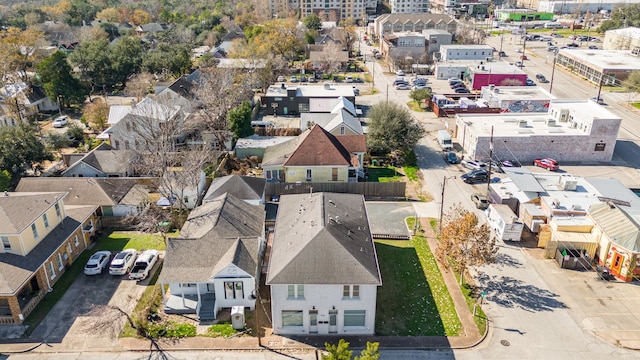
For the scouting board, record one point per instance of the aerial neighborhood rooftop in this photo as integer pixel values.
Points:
(291, 180)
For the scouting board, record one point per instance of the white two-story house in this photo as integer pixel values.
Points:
(323, 268)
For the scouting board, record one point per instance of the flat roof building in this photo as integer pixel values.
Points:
(610, 66)
(572, 130)
(621, 39)
(517, 99)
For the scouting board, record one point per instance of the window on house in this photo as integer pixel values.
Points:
(354, 317)
(69, 248)
(76, 240)
(292, 318)
(46, 221)
(52, 272)
(350, 291)
(342, 130)
(309, 175)
(268, 174)
(126, 144)
(59, 261)
(6, 244)
(295, 292)
(187, 285)
(34, 230)
(333, 317)
(58, 213)
(233, 290)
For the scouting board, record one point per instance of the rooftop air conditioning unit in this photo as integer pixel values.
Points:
(522, 123)
(568, 183)
(551, 122)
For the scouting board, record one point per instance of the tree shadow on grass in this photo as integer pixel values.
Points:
(511, 293)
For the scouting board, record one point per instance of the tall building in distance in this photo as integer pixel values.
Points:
(409, 6)
(334, 10)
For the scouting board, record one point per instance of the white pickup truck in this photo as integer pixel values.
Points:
(143, 265)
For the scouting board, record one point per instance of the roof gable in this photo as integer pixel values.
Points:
(19, 210)
(242, 187)
(323, 238)
(226, 216)
(319, 148)
(83, 191)
(619, 227)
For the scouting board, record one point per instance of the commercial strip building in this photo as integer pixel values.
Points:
(572, 130)
(393, 23)
(481, 73)
(609, 67)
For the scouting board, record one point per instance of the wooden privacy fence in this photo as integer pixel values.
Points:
(370, 190)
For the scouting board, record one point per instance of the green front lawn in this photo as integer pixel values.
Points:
(114, 241)
(413, 299)
(636, 105)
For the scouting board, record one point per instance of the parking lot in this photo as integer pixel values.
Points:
(71, 320)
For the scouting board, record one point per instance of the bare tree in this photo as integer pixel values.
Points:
(464, 242)
(139, 85)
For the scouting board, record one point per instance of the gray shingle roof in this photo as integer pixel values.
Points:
(107, 160)
(242, 187)
(17, 211)
(219, 233)
(84, 191)
(323, 238)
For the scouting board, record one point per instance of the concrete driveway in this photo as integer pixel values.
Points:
(70, 323)
(387, 217)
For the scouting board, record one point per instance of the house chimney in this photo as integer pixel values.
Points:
(6, 193)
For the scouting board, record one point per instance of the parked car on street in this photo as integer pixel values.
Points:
(475, 176)
(122, 263)
(293, 79)
(519, 63)
(593, 47)
(541, 78)
(399, 72)
(473, 165)
(462, 91)
(348, 79)
(60, 122)
(403, 87)
(97, 263)
(510, 163)
(502, 54)
(573, 45)
(546, 163)
(280, 79)
(458, 86)
(452, 158)
(480, 201)
(530, 82)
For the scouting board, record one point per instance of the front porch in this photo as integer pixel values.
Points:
(205, 307)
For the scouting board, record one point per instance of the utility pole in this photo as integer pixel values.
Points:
(600, 87)
(490, 160)
(444, 184)
(553, 69)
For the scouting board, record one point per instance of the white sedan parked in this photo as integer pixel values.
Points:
(123, 262)
(97, 263)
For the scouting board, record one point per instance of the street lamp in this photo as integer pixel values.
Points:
(444, 184)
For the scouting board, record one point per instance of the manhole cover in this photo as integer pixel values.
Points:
(505, 343)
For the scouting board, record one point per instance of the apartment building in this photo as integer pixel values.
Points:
(409, 6)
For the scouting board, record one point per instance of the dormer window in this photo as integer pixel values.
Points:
(6, 244)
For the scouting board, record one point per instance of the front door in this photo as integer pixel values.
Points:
(616, 263)
(211, 288)
(333, 321)
(313, 321)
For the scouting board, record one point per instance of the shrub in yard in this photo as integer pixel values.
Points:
(171, 329)
(221, 330)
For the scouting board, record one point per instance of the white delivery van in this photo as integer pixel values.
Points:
(444, 139)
